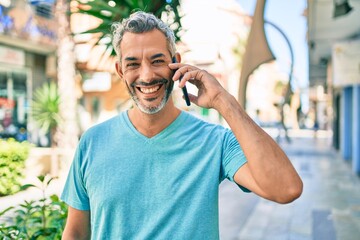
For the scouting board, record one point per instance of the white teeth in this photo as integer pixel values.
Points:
(150, 90)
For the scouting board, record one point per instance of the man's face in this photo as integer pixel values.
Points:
(144, 67)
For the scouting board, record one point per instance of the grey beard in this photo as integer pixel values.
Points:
(155, 109)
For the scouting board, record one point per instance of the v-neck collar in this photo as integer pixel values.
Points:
(161, 135)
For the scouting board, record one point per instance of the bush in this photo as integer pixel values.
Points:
(41, 219)
(12, 165)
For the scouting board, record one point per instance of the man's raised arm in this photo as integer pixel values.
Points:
(268, 172)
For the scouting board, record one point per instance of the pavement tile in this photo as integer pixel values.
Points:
(331, 199)
(323, 226)
(297, 236)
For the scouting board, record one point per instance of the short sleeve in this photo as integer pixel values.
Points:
(232, 157)
(74, 192)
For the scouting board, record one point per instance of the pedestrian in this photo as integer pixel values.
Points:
(153, 171)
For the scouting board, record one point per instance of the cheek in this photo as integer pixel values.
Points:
(167, 73)
(127, 83)
(129, 77)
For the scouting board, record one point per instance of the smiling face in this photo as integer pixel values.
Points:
(144, 68)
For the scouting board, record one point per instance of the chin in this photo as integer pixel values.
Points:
(151, 109)
(152, 106)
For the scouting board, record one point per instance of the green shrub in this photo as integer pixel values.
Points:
(12, 165)
(41, 219)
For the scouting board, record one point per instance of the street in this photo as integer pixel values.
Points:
(329, 208)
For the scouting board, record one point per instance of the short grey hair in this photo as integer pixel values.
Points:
(140, 22)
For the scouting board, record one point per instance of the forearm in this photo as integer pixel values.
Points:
(269, 165)
(74, 236)
(77, 225)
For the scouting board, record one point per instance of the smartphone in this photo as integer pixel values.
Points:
(184, 90)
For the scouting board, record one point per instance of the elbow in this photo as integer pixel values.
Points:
(78, 235)
(291, 194)
(75, 236)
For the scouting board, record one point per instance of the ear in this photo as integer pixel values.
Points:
(119, 69)
(178, 57)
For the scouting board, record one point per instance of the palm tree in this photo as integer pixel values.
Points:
(45, 110)
(68, 130)
(115, 10)
(46, 114)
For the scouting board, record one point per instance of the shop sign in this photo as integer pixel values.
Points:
(7, 103)
(12, 56)
(346, 63)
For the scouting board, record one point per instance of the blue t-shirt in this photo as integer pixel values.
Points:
(164, 187)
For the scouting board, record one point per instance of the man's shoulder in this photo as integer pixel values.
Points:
(202, 123)
(104, 127)
(203, 120)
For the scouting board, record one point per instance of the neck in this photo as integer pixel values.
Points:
(151, 124)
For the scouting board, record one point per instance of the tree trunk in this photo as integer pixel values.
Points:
(54, 159)
(67, 136)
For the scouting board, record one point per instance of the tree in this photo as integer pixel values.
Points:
(46, 114)
(68, 130)
(116, 10)
(45, 110)
(239, 51)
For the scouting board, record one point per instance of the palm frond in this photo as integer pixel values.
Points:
(122, 9)
(45, 107)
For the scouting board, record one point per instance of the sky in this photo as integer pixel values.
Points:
(287, 15)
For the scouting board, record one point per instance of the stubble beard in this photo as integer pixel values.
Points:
(151, 109)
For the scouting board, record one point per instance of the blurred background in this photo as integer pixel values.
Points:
(300, 78)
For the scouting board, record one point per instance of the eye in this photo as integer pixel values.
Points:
(158, 61)
(132, 65)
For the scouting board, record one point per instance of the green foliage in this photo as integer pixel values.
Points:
(41, 219)
(279, 88)
(239, 51)
(45, 108)
(12, 165)
(123, 8)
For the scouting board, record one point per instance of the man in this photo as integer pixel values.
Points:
(153, 172)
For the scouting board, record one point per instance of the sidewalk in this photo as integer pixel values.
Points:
(329, 208)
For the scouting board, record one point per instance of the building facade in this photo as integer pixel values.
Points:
(27, 60)
(334, 65)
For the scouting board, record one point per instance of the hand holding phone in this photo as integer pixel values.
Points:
(184, 89)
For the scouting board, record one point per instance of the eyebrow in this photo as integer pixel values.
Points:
(157, 56)
(130, 59)
(152, 57)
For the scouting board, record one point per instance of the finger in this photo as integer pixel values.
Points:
(182, 70)
(194, 82)
(175, 66)
(197, 83)
(192, 76)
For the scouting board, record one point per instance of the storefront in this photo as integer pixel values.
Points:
(15, 80)
(346, 81)
(27, 50)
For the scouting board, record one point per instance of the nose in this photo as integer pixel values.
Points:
(146, 73)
